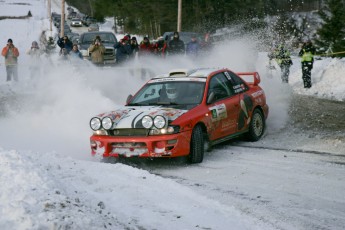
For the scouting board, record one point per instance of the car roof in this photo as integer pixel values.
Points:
(99, 32)
(186, 74)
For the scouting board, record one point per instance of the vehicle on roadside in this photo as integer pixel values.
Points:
(67, 29)
(183, 113)
(74, 38)
(87, 20)
(56, 18)
(76, 22)
(93, 27)
(72, 15)
(108, 39)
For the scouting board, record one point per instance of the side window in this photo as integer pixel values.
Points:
(238, 85)
(220, 86)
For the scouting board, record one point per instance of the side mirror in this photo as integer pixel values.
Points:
(129, 98)
(210, 98)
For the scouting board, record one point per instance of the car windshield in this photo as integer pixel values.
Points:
(183, 94)
(105, 37)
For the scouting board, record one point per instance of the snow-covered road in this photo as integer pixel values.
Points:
(285, 189)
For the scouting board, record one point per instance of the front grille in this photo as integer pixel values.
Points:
(130, 132)
(109, 54)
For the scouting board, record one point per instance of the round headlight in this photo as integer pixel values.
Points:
(159, 122)
(147, 122)
(95, 123)
(107, 123)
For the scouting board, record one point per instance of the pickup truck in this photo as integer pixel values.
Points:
(108, 39)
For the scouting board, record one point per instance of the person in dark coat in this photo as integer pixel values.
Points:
(65, 43)
(307, 59)
(134, 47)
(123, 50)
(282, 56)
(176, 45)
(160, 47)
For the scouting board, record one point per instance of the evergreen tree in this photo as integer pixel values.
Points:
(332, 33)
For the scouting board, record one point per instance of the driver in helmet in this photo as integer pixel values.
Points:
(172, 91)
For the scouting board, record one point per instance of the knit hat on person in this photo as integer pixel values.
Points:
(34, 44)
(126, 38)
(10, 40)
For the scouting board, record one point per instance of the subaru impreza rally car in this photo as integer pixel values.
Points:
(183, 113)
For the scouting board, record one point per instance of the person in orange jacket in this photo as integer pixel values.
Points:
(11, 53)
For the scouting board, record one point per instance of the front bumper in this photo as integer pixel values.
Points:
(173, 145)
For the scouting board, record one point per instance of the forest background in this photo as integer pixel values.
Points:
(272, 21)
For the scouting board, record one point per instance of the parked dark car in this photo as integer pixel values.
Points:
(87, 20)
(93, 27)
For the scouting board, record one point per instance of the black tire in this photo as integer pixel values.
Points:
(256, 126)
(196, 154)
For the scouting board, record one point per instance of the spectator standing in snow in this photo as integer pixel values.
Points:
(35, 53)
(307, 59)
(123, 50)
(282, 56)
(160, 47)
(145, 48)
(193, 47)
(64, 55)
(97, 51)
(134, 47)
(176, 45)
(75, 52)
(65, 43)
(11, 54)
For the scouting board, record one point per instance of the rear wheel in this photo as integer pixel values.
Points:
(256, 126)
(196, 154)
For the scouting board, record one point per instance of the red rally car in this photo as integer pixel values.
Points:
(183, 113)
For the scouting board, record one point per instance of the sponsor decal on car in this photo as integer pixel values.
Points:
(257, 94)
(218, 112)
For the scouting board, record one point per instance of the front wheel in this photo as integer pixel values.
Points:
(196, 154)
(256, 126)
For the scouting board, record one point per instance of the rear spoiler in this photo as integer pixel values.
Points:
(255, 76)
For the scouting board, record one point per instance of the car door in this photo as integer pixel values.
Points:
(224, 108)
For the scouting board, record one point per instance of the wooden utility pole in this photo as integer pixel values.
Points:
(179, 15)
(50, 16)
(62, 23)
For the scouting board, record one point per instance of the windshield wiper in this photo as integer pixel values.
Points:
(164, 103)
(136, 104)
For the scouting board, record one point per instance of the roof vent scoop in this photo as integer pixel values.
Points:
(179, 73)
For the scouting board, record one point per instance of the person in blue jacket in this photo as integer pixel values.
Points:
(193, 47)
(75, 52)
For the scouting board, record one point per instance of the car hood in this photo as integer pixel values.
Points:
(130, 117)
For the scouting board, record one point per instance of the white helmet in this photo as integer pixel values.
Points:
(171, 90)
